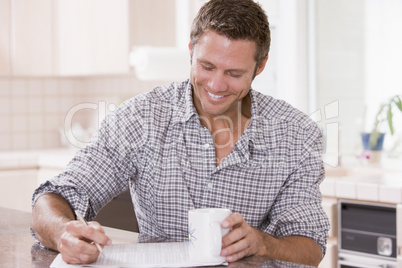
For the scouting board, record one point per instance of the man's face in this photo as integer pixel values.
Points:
(221, 72)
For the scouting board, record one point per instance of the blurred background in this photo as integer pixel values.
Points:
(65, 64)
(55, 55)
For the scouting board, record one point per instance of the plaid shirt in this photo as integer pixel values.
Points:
(154, 143)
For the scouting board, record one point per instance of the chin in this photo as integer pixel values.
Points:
(213, 110)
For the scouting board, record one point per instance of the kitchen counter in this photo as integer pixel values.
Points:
(356, 180)
(17, 247)
(53, 158)
(386, 188)
(360, 179)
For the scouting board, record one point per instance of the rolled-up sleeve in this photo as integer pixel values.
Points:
(298, 208)
(102, 170)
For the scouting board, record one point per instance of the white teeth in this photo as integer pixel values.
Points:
(214, 96)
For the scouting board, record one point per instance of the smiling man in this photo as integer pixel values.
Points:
(221, 74)
(210, 141)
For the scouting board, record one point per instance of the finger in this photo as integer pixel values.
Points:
(92, 232)
(73, 257)
(236, 234)
(66, 255)
(241, 248)
(76, 245)
(97, 226)
(75, 250)
(241, 241)
(236, 257)
(240, 228)
(232, 220)
(236, 251)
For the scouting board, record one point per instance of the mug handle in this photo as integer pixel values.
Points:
(216, 238)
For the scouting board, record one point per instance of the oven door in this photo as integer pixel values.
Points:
(357, 261)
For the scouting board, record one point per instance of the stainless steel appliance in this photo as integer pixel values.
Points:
(367, 235)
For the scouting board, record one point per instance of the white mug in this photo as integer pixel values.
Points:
(205, 234)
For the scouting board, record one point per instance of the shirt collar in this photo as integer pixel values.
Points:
(184, 107)
(250, 135)
(185, 110)
(252, 132)
(190, 110)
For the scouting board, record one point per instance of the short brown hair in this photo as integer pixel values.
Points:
(237, 20)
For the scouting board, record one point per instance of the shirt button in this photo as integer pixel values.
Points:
(206, 145)
(209, 185)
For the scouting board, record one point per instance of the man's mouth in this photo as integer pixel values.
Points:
(215, 96)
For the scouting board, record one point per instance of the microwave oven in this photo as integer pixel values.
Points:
(366, 234)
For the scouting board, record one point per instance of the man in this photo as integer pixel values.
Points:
(210, 141)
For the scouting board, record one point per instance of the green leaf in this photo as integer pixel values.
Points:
(398, 103)
(389, 118)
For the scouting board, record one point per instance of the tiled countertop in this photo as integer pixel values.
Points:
(362, 180)
(385, 188)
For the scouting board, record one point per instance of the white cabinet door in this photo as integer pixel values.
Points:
(5, 38)
(64, 37)
(92, 37)
(152, 23)
(31, 37)
(17, 187)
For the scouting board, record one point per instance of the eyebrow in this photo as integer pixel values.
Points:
(229, 70)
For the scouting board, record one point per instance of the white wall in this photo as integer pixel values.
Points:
(359, 61)
(285, 76)
(383, 60)
(340, 66)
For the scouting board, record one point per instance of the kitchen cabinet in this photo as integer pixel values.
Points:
(5, 37)
(64, 37)
(153, 16)
(31, 37)
(92, 37)
(331, 256)
(17, 187)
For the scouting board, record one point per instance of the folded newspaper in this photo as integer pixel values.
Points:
(172, 254)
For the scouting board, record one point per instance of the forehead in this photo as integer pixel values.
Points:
(217, 47)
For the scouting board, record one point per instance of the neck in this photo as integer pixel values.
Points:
(226, 129)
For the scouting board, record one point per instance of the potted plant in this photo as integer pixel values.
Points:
(374, 140)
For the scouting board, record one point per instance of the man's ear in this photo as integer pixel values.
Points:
(190, 50)
(261, 66)
(190, 46)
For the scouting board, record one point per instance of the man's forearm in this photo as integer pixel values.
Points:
(298, 249)
(50, 215)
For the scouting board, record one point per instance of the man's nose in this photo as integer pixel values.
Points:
(217, 82)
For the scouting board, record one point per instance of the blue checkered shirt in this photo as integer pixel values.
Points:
(154, 144)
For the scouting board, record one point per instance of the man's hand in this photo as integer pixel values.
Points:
(245, 240)
(76, 243)
(242, 241)
(54, 226)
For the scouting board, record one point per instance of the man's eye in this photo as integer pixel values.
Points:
(235, 75)
(207, 68)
